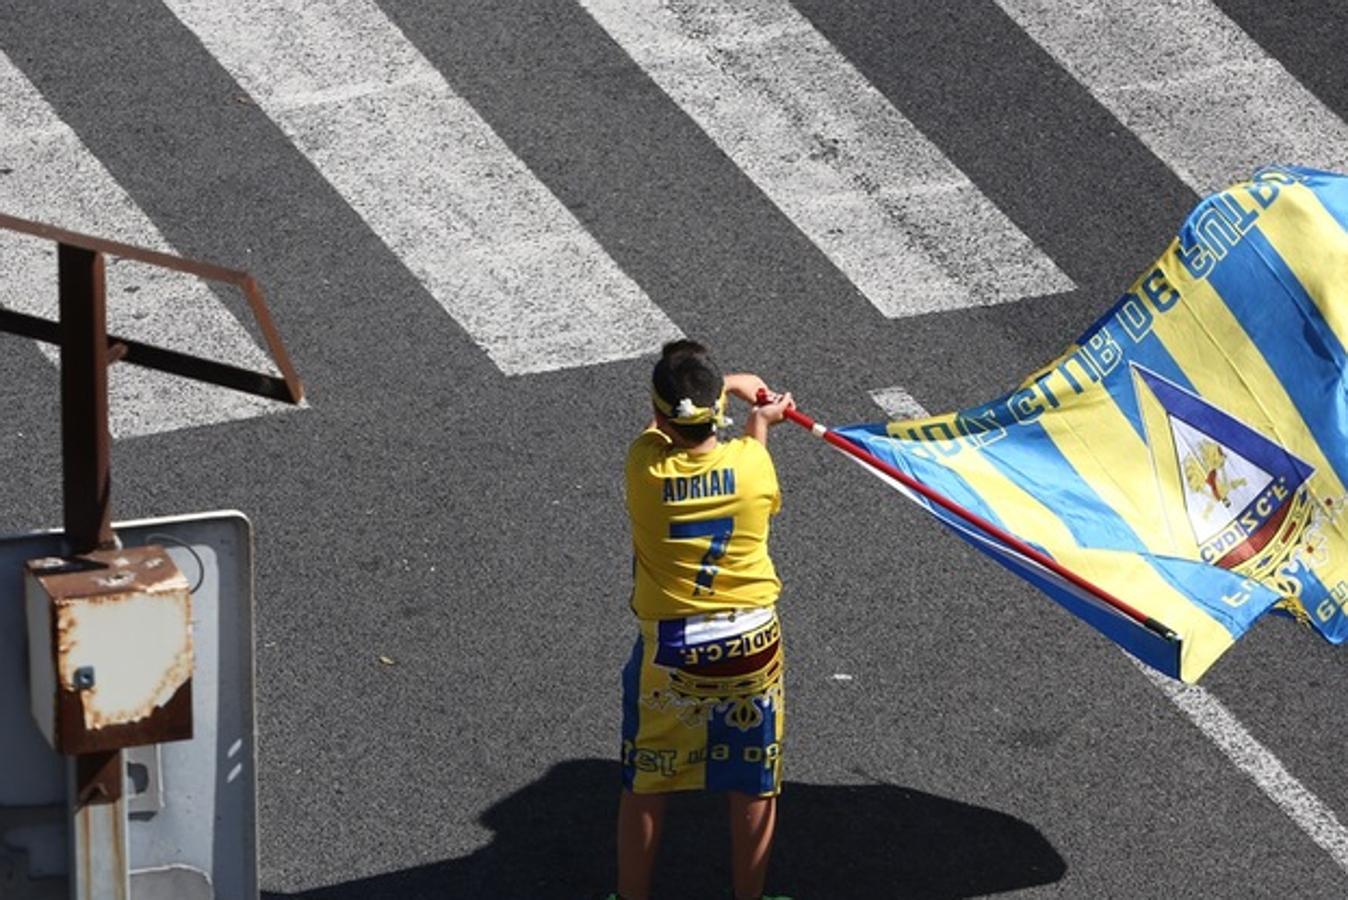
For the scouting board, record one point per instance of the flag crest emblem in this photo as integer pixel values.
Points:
(1232, 497)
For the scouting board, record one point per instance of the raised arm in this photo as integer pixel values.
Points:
(745, 385)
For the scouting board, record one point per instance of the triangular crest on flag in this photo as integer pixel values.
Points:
(1233, 498)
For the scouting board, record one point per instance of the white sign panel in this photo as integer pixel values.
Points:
(192, 819)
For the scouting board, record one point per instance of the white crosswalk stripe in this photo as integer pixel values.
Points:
(904, 224)
(499, 252)
(52, 177)
(1180, 98)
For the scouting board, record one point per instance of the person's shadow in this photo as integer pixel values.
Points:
(555, 839)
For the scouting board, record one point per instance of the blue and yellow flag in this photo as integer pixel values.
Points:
(1188, 455)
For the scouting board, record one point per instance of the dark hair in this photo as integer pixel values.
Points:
(686, 369)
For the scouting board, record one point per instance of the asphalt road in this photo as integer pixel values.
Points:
(469, 525)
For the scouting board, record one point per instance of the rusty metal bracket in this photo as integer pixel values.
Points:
(287, 388)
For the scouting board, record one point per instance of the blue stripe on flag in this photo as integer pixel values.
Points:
(1302, 352)
(1315, 597)
(1095, 524)
(1208, 585)
(1035, 464)
(1150, 352)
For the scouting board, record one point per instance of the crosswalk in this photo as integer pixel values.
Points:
(523, 277)
(532, 228)
(1177, 93)
(500, 253)
(882, 202)
(52, 177)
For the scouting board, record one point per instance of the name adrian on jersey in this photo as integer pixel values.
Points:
(716, 483)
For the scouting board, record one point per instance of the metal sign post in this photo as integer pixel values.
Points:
(96, 808)
(60, 596)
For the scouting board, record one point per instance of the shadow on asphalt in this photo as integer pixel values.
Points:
(554, 839)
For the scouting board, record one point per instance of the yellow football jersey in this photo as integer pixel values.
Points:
(700, 526)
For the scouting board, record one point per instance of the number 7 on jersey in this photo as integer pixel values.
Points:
(719, 531)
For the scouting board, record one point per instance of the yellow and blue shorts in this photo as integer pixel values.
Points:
(704, 706)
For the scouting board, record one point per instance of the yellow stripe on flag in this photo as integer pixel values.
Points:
(1034, 522)
(1129, 575)
(1093, 435)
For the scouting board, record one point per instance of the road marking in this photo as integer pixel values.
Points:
(898, 403)
(47, 174)
(1194, 87)
(1309, 813)
(1254, 759)
(499, 252)
(894, 215)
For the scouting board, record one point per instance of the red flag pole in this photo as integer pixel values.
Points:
(870, 459)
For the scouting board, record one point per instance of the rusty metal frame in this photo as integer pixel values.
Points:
(287, 388)
(97, 807)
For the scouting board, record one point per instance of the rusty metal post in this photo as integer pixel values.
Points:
(84, 399)
(98, 839)
(97, 834)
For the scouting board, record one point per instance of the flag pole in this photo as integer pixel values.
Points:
(870, 459)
